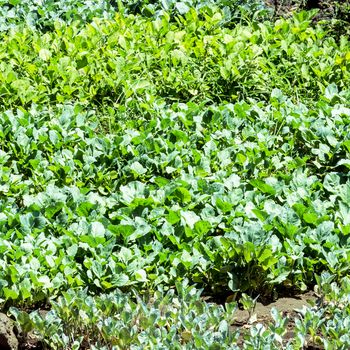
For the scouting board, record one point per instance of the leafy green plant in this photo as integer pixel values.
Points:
(43, 15)
(113, 210)
(128, 63)
(166, 147)
(118, 321)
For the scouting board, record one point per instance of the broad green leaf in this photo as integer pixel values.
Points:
(120, 280)
(97, 229)
(189, 218)
(182, 194)
(331, 182)
(141, 275)
(182, 7)
(262, 186)
(138, 168)
(132, 191)
(44, 54)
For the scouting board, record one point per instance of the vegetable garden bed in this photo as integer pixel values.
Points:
(165, 169)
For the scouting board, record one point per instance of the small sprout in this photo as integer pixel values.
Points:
(249, 304)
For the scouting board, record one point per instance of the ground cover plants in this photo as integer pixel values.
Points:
(163, 165)
(43, 14)
(194, 59)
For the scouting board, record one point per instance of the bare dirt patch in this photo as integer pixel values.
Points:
(8, 340)
(288, 306)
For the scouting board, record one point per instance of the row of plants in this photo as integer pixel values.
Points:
(129, 62)
(179, 319)
(165, 147)
(41, 15)
(261, 202)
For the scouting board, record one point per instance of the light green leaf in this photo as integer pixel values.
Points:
(141, 275)
(97, 229)
(189, 218)
(182, 7)
(331, 182)
(138, 168)
(44, 54)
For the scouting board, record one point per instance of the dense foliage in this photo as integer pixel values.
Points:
(196, 59)
(151, 149)
(43, 14)
(186, 322)
(263, 200)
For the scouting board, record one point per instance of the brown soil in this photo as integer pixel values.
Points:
(288, 306)
(285, 8)
(30, 344)
(8, 340)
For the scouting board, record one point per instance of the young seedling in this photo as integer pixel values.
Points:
(249, 305)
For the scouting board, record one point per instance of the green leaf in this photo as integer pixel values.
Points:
(260, 214)
(300, 209)
(138, 168)
(248, 251)
(310, 218)
(120, 280)
(141, 275)
(331, 182)
(181, 7)
(85, 208)
(224, 206)
(263, 187)
(132, 191)
(182, 195)
(265, 254)
(10, 293)
(97, 229)
(44, 54)
(189, 218)
(202, 227)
